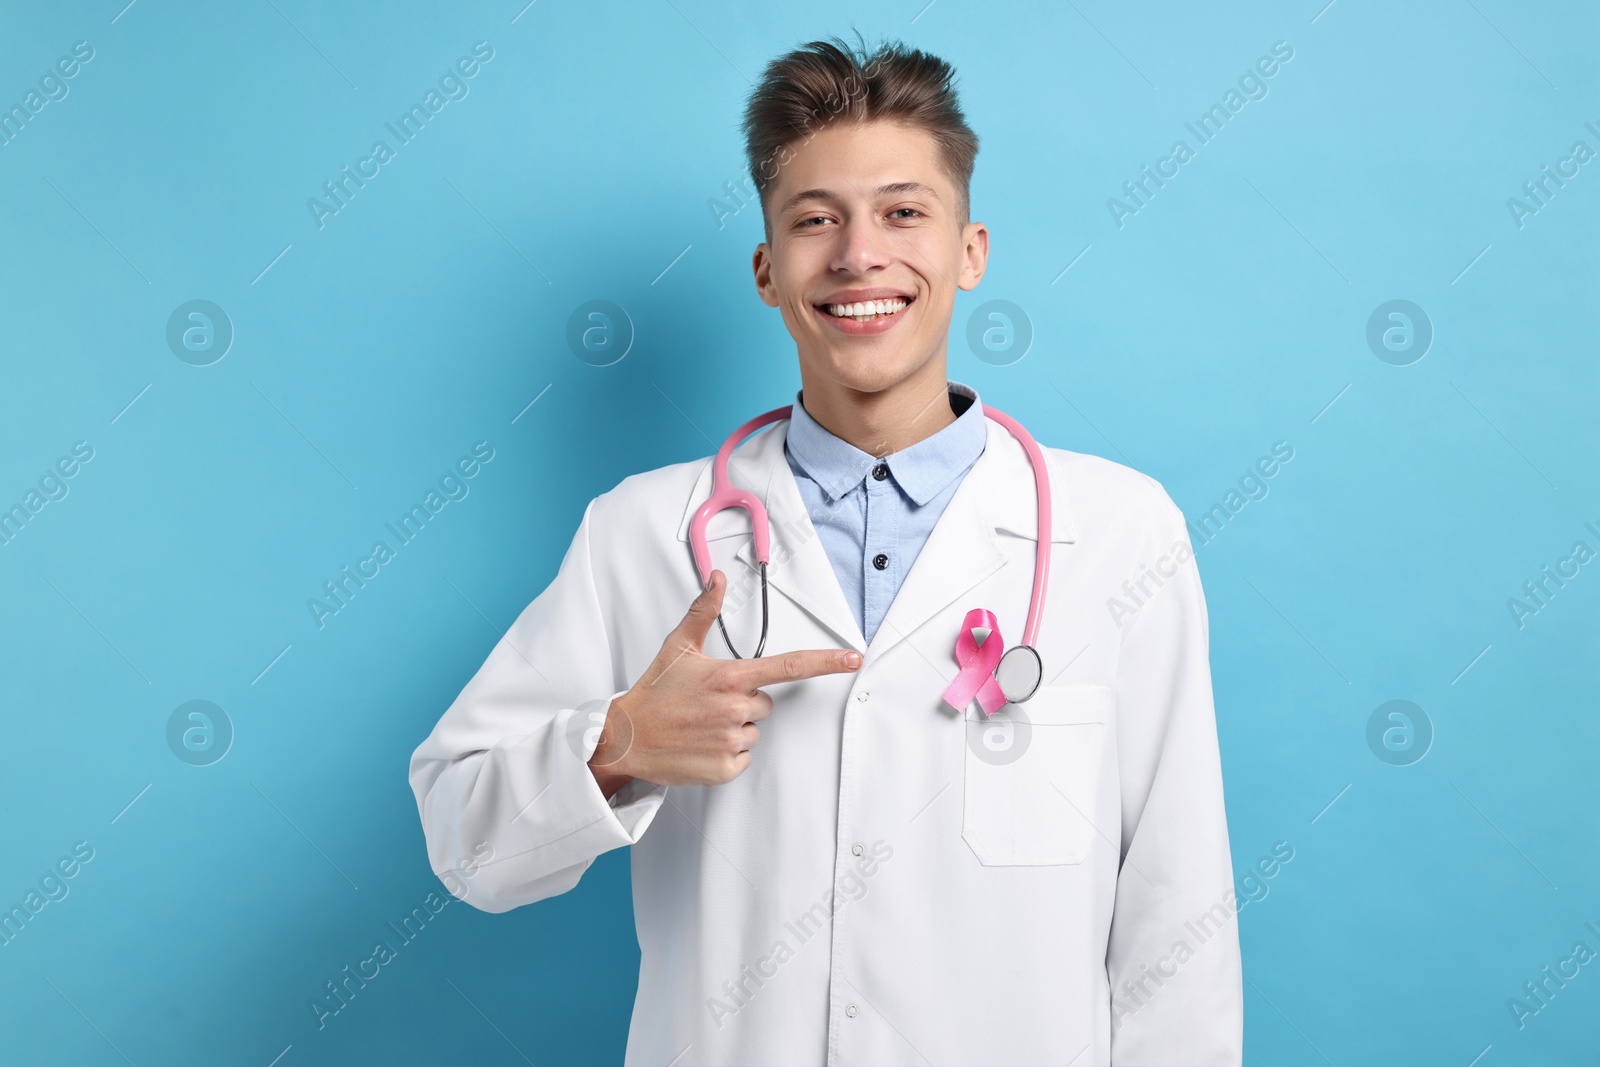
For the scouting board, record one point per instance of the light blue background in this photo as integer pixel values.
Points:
(425, 316)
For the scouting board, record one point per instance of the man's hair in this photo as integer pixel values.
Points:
(827, 82)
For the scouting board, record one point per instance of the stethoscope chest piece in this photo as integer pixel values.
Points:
(1019, 673)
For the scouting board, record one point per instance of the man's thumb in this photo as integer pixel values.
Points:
(703, 612)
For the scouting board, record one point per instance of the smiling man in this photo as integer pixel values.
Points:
(864, 265)
(839, 854)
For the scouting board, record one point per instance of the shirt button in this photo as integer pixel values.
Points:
(851, 1010)
(881, 471)
(857, 849)
(880, 561)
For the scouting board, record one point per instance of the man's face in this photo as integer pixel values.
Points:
(864, 212)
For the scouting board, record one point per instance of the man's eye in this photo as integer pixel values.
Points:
(912, 210)
(814, 218)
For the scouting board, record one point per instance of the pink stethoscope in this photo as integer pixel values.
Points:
(990, 672)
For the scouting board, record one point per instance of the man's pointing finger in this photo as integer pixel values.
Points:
(793, 666)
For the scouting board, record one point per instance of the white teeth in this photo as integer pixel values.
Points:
(867, 309)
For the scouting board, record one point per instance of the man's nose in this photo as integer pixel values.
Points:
(863, 245)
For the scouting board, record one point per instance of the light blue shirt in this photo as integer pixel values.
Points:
(874, 515)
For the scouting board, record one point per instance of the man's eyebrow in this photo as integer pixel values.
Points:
(828, 195)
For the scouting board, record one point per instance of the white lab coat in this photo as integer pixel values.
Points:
(982, 911)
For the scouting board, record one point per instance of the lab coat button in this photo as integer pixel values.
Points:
(850, 1010)
(858, 850)
(862, 696)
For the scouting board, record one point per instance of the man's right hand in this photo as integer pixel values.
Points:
(691, 719)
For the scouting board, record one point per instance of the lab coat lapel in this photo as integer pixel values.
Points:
(962, 549)
(799, 568)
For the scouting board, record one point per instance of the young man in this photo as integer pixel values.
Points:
(868, 876)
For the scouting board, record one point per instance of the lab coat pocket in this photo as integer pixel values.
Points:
(1032, 777)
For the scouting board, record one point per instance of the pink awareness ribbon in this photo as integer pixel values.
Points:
(977, 662)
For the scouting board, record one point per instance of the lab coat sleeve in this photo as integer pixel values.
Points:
(1173, 954)
(510, 809)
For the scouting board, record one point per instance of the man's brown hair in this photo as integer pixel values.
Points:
(827, 82)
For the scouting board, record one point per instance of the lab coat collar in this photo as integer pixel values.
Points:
(997, 496)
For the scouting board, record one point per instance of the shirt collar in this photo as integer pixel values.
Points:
(922, 470)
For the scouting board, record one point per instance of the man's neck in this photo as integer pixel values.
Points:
(887, 421)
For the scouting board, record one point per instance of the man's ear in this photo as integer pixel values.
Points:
(975, 254)
(761, 265)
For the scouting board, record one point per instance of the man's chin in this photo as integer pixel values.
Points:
(867, 368)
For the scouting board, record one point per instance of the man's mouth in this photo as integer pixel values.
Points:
(866, 310)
